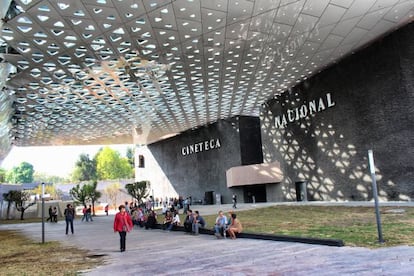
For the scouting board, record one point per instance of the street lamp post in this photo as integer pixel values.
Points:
(375, 192)
(43, 212)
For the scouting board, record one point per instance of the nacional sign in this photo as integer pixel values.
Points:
(304, 111)
(200, 147)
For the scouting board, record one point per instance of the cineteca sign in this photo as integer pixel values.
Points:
(201, 146)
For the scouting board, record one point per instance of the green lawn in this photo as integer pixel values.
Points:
(356, 226)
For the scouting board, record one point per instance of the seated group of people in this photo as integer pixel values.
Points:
(141, 219)
(224, 226)
(193, 222)
(171, 219)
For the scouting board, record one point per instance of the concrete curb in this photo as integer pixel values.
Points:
(268, 237)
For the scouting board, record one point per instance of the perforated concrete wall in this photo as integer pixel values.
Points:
(321, 130)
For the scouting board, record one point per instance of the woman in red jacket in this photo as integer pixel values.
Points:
(122, 225)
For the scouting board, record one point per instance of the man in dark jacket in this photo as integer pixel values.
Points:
(69, 216)
(188, 222)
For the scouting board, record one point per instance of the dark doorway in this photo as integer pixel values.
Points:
(208, 198)
(301, 192)
(256, 191)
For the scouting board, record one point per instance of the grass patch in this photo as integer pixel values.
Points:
(22, 256)
(26, 220)
(356, 226)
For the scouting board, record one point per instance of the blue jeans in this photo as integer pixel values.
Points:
(69, 221)
(89, 215)
(218, 229)
(196, 227)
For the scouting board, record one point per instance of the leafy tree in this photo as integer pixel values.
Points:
(138, 190)
(44, 178)
(20, 199)
(86, 192)
(3, 173)
(110, 165)
(112, 192)
(79, 193)
(93, 194)
(85, 169)
(49, 189)
(21, 174)
(130, 156)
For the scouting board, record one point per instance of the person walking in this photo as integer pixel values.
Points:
(54, 214)
(89, 213)
(122, 225)
(69, 217)
(50, 218)
(234, 198)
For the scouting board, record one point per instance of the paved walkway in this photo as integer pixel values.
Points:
(156, 252)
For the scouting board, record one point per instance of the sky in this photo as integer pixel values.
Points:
(54, 160)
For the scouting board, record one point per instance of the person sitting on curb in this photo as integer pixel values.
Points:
(151, 220)
(176, 221)
(188, 222)
(141, 217)
(235, 227)
(220, 225)
(135, 218)
(167, 220)
(198, 221)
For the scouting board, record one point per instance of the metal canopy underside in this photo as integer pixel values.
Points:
(128, 71)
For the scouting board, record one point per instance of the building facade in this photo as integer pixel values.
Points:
(193, 164)
(319, 131)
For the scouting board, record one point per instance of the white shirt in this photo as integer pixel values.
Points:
(176, 219)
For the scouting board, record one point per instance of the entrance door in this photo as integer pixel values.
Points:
(256, 191)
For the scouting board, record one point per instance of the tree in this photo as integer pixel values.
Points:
(79, 194)
(138, 190)
(3, 174)
(44, 178)
(130, 156)
(112, 192)
(20, 198)
(110, 165)
(85, 169)
(21, 174)
(93, 194)
(86, 192)
(49, 189)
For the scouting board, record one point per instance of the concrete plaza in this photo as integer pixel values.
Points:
(157, 252)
